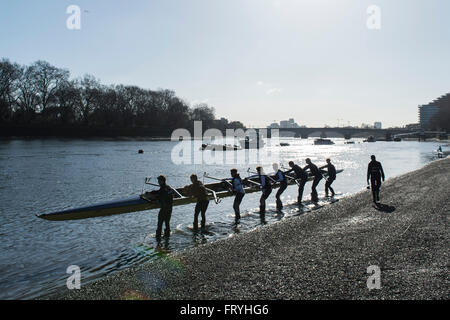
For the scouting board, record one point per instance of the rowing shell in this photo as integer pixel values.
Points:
(148, 201)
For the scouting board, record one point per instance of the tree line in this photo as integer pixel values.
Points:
(43, 95)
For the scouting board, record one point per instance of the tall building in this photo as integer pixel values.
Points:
(377, 125)
(430, 110)
(426, 113)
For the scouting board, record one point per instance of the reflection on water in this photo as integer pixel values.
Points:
(38, 176)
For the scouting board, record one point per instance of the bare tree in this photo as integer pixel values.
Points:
(46, 79)
(9, 76)
(89, 88)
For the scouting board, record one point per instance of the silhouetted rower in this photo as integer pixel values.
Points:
(375, 173)
(280, 178)
(302, 178)
(198, 191)
(165, 197)
(238, 189)
(331, 170)
(317, 174)
(266, 188)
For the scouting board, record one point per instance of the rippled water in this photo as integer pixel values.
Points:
(41, 176)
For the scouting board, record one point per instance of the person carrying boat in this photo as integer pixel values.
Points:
(165, 197)
(197, 190)
(331, 170)
(301, 176)
(237, 189)
(266, 188)
(281, 179)
(375, 173)
(317, 174)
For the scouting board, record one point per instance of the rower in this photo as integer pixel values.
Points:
(165, 196)
(315, 172)
(375, 173)
(301, 175)
(198, 191)
(331, 170)
(238, 190)
(280, 178)
(266, 188)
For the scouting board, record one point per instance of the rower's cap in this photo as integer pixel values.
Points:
(372, 157)
(162, 178)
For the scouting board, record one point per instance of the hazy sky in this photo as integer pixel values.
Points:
(253, 60)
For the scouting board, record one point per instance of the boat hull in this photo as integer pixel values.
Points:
(143, 202)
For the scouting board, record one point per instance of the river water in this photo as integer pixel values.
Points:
(41, 176)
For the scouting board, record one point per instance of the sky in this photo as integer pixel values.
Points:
(256, 61)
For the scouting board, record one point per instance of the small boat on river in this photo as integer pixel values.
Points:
(323, 141)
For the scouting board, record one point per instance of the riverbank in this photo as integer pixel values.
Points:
(320, 255)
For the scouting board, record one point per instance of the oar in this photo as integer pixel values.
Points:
(217, 179)
(216, 200)
(147, 181)
(268, 176)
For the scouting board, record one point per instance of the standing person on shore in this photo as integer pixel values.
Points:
(301, 176)
(238, 190)
(266, 189)
(375, 173)
(331, 177)
(198, 191)
(315, 172)
(280, 178)
(165, 196)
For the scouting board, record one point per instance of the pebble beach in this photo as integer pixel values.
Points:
(323, 254)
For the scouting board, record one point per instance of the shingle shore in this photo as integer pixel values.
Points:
(319, 255)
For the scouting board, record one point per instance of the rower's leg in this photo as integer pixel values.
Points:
(278, 196)
(159, 227)
(167, 217)
(262, 204)
(203, 211)
(236, 204)
(196, 212)
(263, 199)
(331, 189)
(301, 187)
(373, 186)
(327, 186)
(314, 196)
(378, 188)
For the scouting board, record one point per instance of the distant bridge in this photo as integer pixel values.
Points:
(348, 133)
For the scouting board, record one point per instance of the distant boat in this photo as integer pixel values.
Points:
(370, 139)
(284, 144)
(349, 142)
(323, 141)
(219, 147)
(397, 139)
(252, 143)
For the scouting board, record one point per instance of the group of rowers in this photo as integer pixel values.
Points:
(235, 184)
